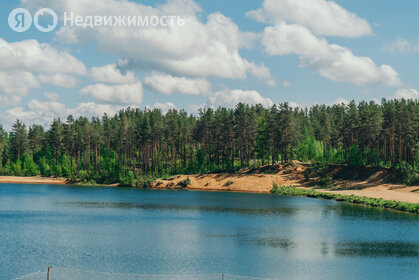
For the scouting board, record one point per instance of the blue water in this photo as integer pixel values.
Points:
(184, 232)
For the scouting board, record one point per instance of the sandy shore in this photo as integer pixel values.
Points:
(33, 180)
(262, 183)
(258, 183)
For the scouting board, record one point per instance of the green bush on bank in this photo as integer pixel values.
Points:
(374, 202)
(184, 183)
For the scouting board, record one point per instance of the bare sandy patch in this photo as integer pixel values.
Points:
(262, 183)
(32, 180)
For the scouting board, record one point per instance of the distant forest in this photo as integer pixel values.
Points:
(136, 144)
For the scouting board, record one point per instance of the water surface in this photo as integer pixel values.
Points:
(183, 232)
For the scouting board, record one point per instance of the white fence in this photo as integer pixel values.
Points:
(61, 273)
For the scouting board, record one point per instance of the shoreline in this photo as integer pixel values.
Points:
(251, 183)
(262, 183)
(34, 180)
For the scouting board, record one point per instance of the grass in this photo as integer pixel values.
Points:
(228, 183)
(373, 202)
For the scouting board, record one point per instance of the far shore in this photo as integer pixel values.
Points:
(262, 183)
(255, 183)
(33, 180)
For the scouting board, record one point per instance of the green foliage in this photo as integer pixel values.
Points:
(374, 202)
(355, 156)
(148, 143)
(16, 168)
(200, 159)
(410, 176)
(127, 178)
(184, 183)
(30, 168)
(66, 169)
(309, 149)
(44, 167)
(228, 183)
(57, 170)
(326, 181)
(143, 181)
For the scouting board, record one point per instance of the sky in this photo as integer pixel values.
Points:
(212, 53)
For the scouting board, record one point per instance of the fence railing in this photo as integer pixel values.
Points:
(61, 273)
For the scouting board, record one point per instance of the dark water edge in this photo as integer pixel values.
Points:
(184, 232)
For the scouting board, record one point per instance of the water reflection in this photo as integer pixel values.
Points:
(283, 243)
(340, 249)
(165, 232)
(377, 249)
(156, 206)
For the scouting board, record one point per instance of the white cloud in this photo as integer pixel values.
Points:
(26, 64)
(111, 74)
(44, 112)
(340, 100)
(401, 45)
(9, 100)
(32, 56)
(51, 96)
(58, 79)
(286, 84)
(167, 84)
(294, 105)
(263, 73)
(194, 108)
(17, 82)
(331, 61)
(406, 93)
(322, 17)
(233, 97)
(116, 94)
(201, 49)
(164, 107)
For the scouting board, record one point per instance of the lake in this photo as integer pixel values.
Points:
(185, 232)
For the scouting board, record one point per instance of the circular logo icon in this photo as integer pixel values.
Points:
(20, 20)
(45, 20)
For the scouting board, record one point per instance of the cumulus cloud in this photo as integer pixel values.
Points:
(167, 84)
(9, 100)
(401, 45)
(44, 112)
(32, 56)
(194, 108)
(331, 61)
(164, 107)
(27, 64)
(406, 93)
(340, 100)
(322, 17)
(17, 82)
(58, 79)
(197, 48)
(111, 74)
(233, 97)
(51, 96)
(116, 94)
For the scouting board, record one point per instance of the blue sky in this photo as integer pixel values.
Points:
(301, 51)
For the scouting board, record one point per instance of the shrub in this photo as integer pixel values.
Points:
(408, 173)
(326, 181)
(184, 183)
(143, 181)
(228, 183)
(374, 202)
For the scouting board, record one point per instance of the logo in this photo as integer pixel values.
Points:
(45, 20)
(20, 20)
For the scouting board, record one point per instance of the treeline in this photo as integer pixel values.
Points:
(137, 144)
